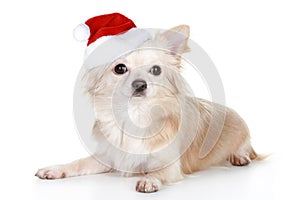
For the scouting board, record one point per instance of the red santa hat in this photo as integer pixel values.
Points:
(108, 37)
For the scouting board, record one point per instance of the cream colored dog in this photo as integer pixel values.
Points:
(143, 107)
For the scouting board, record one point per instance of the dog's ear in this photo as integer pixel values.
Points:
(176, 39)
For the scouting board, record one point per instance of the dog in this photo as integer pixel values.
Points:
(148, 124)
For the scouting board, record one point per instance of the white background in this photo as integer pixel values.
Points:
(254, 44)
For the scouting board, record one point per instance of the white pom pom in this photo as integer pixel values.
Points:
(81, 33)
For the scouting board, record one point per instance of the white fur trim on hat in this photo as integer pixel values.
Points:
(107, 48)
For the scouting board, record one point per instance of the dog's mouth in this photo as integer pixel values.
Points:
(138, 94)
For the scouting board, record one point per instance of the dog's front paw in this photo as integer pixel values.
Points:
(54, 172)
(148, 185)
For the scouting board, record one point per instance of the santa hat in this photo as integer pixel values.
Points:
(108, 37)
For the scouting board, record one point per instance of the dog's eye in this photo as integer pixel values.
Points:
(120, 68)
(155, 70)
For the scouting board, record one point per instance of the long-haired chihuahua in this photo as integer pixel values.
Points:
(147, 123)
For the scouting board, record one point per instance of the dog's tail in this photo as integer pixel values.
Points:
(255, 156)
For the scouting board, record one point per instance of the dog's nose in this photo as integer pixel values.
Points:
(139, 85)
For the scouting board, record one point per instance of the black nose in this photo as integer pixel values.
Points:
(139, 85)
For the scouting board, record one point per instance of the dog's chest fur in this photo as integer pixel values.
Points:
(123, 135)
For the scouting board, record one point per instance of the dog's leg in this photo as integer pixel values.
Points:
(153, 181)
(79, 167)
(244, 155)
